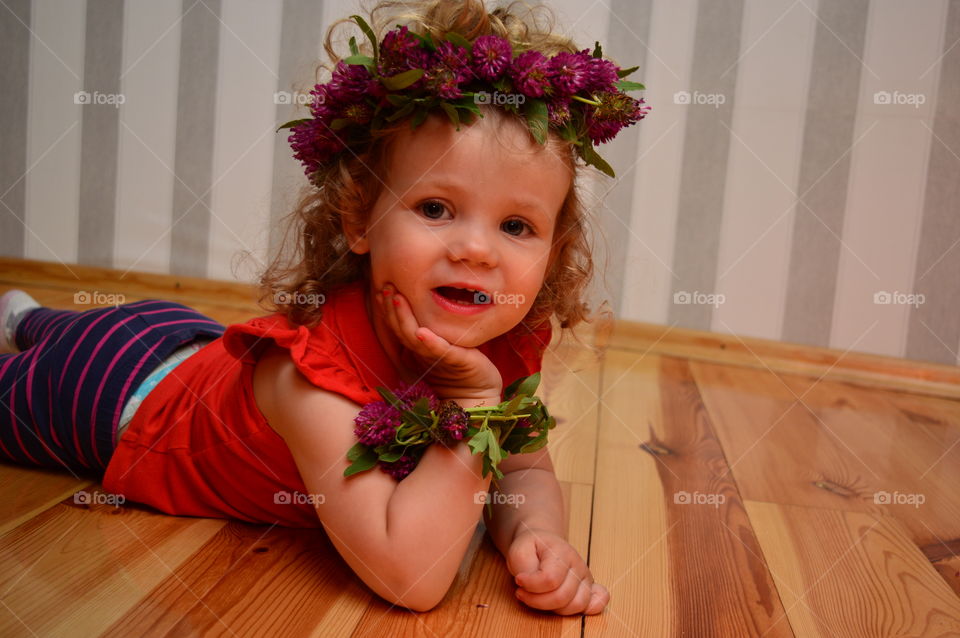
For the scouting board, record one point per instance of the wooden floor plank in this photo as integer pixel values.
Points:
(794, 440)
(74, 569)
(702, 525)
(25, 492)
(852, 574)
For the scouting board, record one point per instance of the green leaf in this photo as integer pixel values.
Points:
(362, 463)
(360, 60)
(479, 442)
(528, 386)
(356, 451)
(597, 53)
(622, 73)
(468, 104)
(457, 39)
(354, 49)
(419, 419)
(426, 39)
(451, 113)
(403, 112)
(369, 33)
(392, 455)
(420, 116)
(512, 406)
(390, 397)
(338, 123)
(538, 119)
(627, 85)
(402, 80)
(292, 123)
(493, 449)
(591, 157)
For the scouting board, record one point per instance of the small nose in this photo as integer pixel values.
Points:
(473, 246)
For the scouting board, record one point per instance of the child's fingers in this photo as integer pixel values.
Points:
(599, 597)
(549, 576)
(561, 597)
(579, 603)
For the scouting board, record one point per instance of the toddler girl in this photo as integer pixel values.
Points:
(433, 247)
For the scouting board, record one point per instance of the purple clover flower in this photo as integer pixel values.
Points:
(558, 112)
(616, 111)
(570, 72)
(491, 56)
(314, 143)
(377, 423)
(453, 421)
(349, 83)
(603, 75)
(408, 394)
(530, 72)
(400, 468)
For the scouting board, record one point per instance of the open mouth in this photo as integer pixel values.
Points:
(463, 296)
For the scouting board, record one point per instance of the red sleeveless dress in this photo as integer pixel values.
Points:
(198, 445)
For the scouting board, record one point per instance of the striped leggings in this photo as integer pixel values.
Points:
(61, 397)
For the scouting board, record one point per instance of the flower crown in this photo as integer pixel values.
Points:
(579, 95)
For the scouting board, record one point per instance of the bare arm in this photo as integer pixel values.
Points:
(405, 540)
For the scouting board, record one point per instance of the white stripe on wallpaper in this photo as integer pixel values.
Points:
(887, 175)
(245, 136)
(53, 138)
(648, 280)
(764, 162)
(148, 125)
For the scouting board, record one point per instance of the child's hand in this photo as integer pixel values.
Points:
(552, 576)
(454, 372)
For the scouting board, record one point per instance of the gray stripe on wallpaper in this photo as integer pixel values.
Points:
(102, 57)
(193, 157)
(14, 78)
(300, 39)
(626, 44)
(705, 150)
(824, 169)
(934, 328)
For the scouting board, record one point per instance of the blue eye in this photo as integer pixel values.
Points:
(515, 227)
(431, 208)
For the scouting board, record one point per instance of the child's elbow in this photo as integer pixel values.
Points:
(417, 593)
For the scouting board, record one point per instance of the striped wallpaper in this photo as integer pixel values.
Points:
(798, 178)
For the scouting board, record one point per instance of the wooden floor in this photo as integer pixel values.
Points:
(721, 487)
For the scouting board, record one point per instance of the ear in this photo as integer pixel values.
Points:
(355, 232)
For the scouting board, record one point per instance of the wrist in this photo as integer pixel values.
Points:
(472, 402)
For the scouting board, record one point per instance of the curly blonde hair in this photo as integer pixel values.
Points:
(314, 254)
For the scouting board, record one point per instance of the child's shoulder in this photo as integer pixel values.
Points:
(275, 381)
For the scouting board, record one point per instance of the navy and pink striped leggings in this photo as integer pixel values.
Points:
(61, 397)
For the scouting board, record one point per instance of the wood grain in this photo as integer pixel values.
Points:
(28, 491)
(852, 574)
